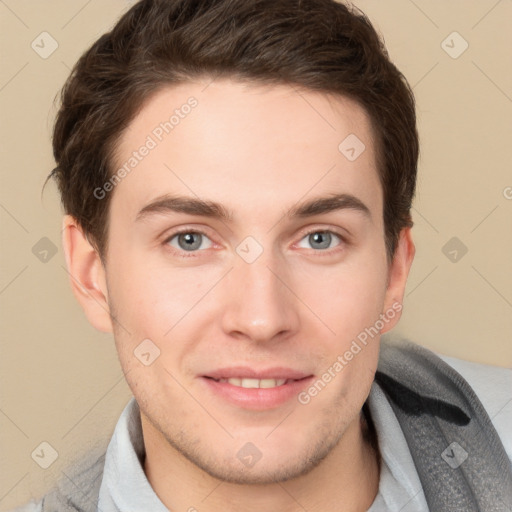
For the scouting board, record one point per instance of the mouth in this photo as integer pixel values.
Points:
(249, 389)
(254, 383)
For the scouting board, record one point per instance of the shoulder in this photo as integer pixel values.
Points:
(433, 375)
(493, 387)
(78, 490)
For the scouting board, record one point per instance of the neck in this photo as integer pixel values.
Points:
(348, 476)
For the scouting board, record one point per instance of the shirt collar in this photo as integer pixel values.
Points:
(400, 488)
(124, 487)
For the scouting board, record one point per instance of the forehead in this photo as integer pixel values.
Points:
(242, 144)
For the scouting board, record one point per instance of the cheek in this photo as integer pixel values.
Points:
(349, 297)
(152, 299)
(349, 302)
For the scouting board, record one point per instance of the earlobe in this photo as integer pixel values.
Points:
(397, 278)
(87, 275)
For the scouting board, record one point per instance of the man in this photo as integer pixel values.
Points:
(237, 179)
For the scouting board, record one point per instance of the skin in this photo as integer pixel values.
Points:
(259, 151)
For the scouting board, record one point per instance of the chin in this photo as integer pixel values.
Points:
(272, 464)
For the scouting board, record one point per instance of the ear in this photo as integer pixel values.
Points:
(397, 277)
(87, 275)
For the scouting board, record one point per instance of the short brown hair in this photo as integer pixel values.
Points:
(321, 45)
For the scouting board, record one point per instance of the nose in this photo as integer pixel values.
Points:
(258, 305)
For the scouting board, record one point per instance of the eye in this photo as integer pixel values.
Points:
(189, 241)
(320, 240)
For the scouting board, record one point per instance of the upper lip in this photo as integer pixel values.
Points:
(245, 372)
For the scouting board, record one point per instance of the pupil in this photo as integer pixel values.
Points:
(320, 240)
(189, 241)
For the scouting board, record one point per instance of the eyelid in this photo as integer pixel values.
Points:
(168, 234)
(343, 243)
(204, 238)
(339, 232)
(173, 232)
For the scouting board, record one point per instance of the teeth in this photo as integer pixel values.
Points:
(255, 383)
(271, 383)
(249, 383)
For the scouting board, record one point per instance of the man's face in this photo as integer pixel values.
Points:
(227, 251)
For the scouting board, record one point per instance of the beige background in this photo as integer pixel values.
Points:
(60, 380)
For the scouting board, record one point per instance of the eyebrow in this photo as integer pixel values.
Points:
(203, 208)
(182, 204)
(329, 204)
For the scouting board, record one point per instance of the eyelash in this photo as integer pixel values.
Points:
(325, 252)
(182, 253)
(193, 254)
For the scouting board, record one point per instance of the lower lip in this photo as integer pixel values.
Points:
(257, 398)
